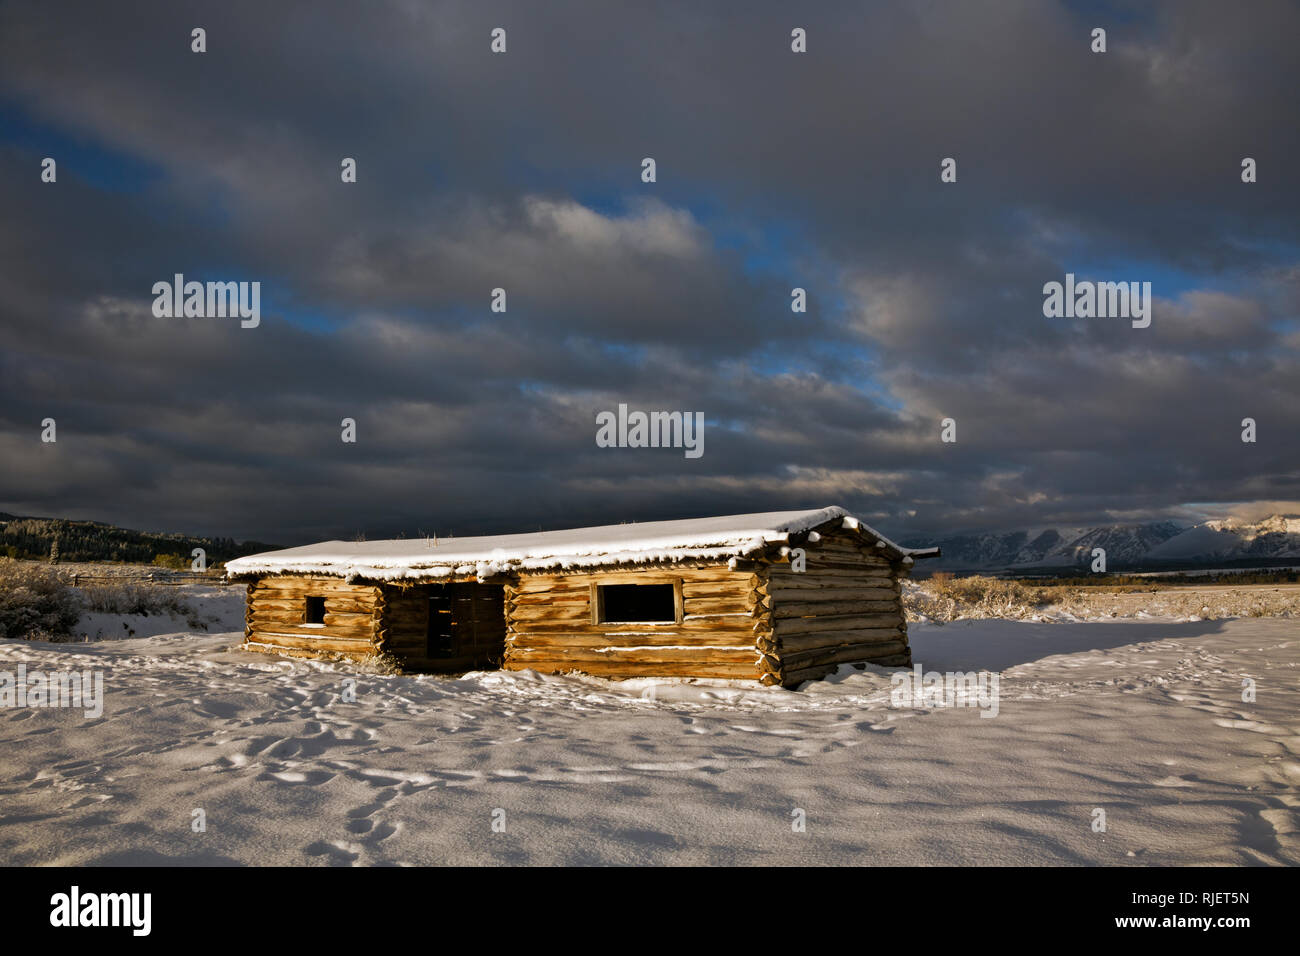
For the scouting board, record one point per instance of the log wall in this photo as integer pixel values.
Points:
(846, 607)
(549, 626)
(274, 617)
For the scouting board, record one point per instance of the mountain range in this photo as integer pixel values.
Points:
(1150, 546)
(1153, 546)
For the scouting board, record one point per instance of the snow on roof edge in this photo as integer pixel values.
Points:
(719, 538)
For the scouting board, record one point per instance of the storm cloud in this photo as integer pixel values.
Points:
(522, 171)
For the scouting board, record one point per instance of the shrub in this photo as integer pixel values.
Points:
(381, 662)
(35, 602)
(946, 598)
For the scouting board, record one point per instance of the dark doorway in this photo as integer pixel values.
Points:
(440, 641)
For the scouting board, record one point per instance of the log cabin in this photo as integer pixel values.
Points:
(779, 598)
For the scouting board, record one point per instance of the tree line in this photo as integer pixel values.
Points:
(60, 539)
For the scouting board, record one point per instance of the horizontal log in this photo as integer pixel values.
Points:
(549, 612)
(867, 592)
(848, 552)
(803, 642)
(889, 632)
(640, 655)
(294, 586)
(366, 620)
(701, 639)
(286, 599)
(329, 644)
(582, 598)
(712, 593)
(832, 567)
(826, 565)
(694, 625)
(848, 615)
(622, 670)
(807, 589)
(421, 599)
(846, 556)
(346, 605)
(729, 619)
(792, 678)
(721, 638)
(846, 622)
(337, 633)
(299, 604)
(280, 651)
(786, 610)
(295, 619)
(543, 582)
(733, 605)
(296, 613)
(846, 541)
(568, 599)
(841, 579)
(571, 589)
(829, 622)
(738, 639)
(850, 653)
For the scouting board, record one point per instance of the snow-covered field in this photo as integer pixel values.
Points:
(218, 609)
(1142, 719)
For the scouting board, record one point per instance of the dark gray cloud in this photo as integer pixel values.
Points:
(522, 171)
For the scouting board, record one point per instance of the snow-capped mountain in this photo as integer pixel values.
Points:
(1154, 545)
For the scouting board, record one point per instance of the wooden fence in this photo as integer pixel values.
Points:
(161, 577)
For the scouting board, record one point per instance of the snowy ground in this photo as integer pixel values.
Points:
(219, 609)
(1143, 719)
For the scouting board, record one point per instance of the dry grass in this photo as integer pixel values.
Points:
(34, 602)
(944, 598)
(381, 662)
(947, 598)
(38, 603)
(142, 599)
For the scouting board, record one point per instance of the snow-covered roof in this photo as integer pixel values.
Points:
(635, 543)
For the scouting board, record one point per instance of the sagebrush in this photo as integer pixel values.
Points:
(35, 602)
(946, 598)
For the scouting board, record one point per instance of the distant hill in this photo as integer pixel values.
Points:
(95, 541)
(1154, 546)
